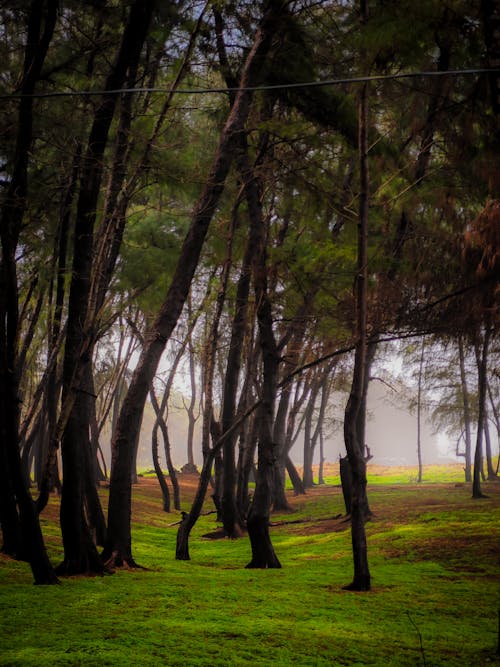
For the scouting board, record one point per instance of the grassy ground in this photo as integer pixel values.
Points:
(435, 600)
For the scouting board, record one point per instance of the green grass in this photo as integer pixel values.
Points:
(434, 564)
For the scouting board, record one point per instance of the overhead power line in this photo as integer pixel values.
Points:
(278, 86)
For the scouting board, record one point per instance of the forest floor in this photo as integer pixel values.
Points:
(434, 559)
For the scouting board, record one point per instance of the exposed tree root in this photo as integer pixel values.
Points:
(118, 562)
(326, 518)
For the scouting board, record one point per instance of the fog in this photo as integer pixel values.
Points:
(391, 434)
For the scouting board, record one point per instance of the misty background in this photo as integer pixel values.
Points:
(391, 433)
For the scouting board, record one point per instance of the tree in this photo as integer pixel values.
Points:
(22, 533)
(118, 545)
(80, 554)
(355, 413)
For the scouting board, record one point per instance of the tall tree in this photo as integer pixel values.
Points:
(25, 527)
(354, 409)
(80, 553)
(118, 549)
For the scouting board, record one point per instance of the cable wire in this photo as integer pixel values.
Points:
(278, 86)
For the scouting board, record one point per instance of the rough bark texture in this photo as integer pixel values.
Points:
(118, 547)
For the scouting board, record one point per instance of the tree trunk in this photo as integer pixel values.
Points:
(80, 552)
(192, 418)
(280, 501)
(419, 412)
(9, 518)
(232, 522)
(161, 424)
(80, 555)
(189, 519)
(118, 547)
(159, 472)
(298, 486)
(353, 417)
(321, 478)
(47, 476)
(346, 482)
(263, 554)
(292, 433)
(41, 20)
(170, 466)
(248, 443)
(491, 473)
(467, 416)
(482, 370)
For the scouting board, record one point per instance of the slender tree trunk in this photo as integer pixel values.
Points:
(280, 501)
(419, 411)
(232, 522)
(491, 474)
(170, 466)
(161, 424)
(482, 369)
(263, 554)
(189, 518)
(247, 432)
(190, 409)
(298, 486)
(352, 436)
(307, 476)
(467, 416)
(119, 548)
(321, 478)
(48, 476)
(159, 472)
(248, 443)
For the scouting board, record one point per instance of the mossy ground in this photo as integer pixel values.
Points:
(435, 601)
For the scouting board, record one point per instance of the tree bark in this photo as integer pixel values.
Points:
(159, 472)
(280, 502)
(490, 470)
(419, 411)
(40, 28)
(189, 518)
(232, 522)
(352, 436)
(482, 357)
(263, 554)
(118, 548)
(307, 475)
(466, 409)
(80, 554)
